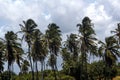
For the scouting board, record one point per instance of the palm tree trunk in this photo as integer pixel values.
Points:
(9, 71)
(36, 70)
(55, 73)
(44, 65)
(12, 70)
(42, 70)
(86, 74)
(105, 78)
(31, 62)
(81, 70)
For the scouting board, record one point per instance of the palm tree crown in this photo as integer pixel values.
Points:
(110, 50)
(53, 35)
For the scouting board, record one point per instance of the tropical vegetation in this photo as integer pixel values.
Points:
(84, 56)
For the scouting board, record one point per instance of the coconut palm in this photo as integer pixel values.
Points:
(109, 51)
(68, 61)
(36, 49)
(12, 49)
(72, 45)
(52, 62)
(87, 41)
(53, 35)
(43, 53)
(28, 29)
(71, 53)
(39, 50)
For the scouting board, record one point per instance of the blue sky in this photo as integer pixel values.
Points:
(65, 13)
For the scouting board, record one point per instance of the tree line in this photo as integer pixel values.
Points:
(76, 51)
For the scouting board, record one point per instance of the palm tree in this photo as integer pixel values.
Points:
(2, 56)
(52, 62)
(87, 41)
(117, 32)
(109, 51)
(53, 35)
(12, 49)
(10, 38)
(44, 53)
(36, 49)
(72, 45)
(28, 29)
(68, 61)
(39, 50)
(71, 51)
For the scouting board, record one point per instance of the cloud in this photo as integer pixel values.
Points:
(65, 13)
(103, 15)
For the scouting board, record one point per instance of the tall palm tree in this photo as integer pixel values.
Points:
(44, 53)
(109, 51)
(53, 35)
(39, 50)
(87, 41)
(36, 49)
(72, 46)
(28, 29)
(12, 49)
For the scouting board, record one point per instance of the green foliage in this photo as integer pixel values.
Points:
(100, 71)
(97, 70)
(5, 75)
(74, 51)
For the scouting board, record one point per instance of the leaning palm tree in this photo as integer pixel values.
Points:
(109, 51)
(87, 41)
(53, 35)
(28, 29)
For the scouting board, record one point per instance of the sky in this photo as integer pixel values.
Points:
(65, 13)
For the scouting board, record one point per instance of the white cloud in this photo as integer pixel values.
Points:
(65, 13)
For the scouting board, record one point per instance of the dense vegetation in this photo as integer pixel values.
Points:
(84, 56)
